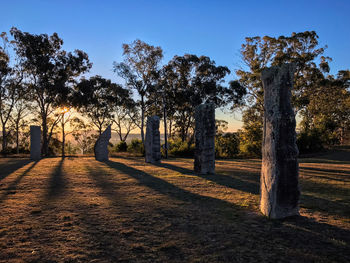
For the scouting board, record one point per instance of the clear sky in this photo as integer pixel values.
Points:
(212, 28)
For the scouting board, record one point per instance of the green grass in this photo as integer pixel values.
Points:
(123, 210)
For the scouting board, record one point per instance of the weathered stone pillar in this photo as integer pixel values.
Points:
(35, 143)
(101, 145)
(152, 140)
(279, 172)
(204, 155)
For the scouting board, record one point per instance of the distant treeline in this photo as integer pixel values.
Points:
(42, 84)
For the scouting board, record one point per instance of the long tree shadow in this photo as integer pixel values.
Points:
(164, 187)
(330, 171)
(107, 187)
(332, 177)
(223, 180)
(11, 189)
(57, 183)
(329, 238)
(112, 232)
(11, 166)
(316, 203)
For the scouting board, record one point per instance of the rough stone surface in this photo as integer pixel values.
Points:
(101, 145)
(279, 181)
(152, 140)
(35, 143)
(204, 158)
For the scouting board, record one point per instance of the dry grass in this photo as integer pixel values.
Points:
(81, 210)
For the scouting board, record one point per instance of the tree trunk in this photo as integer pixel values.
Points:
(4, 139)
(165, 130)
(63, 136)
(17, 137)
(45, 147)
(142, 120)
(170, 128)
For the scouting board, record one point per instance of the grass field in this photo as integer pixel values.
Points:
(123, 210)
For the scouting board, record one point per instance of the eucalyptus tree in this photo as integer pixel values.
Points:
(302, 49)
(139, 70)
(83, 134)
(11, 87)
(329, 108)
(97, 98)
(6, 93)
(51, 73)
(19, 120)
(126, 118)
(189, 81)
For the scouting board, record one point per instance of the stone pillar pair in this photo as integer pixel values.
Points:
(204, 162)
(279, 183)
(100, 148)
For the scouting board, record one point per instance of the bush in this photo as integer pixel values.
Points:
(310, 141)
(122, 146)
(136, 146)
(226, 145)
(250, 144)
(178, 148)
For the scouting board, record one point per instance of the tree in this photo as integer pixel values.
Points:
(10, 88)
(83, 134)
(66, 115)
(139, 70)
(97, 98)
(187, 82)
(257, 53)
(51, 73)
(125, 119)
(250, 137)
(21, 110)
(329, 109)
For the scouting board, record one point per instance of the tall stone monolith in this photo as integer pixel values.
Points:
(204, 155)
(101, 145)
(279, 183)
(152, 140)
(35, 143)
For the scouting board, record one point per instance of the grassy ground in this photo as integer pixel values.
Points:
(123, 210)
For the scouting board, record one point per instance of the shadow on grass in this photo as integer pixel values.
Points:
(56, 183)
(166, 188)
(330, 171)
(223, 180)
(308, 201)
(297, 232)
(198, 230)
(11, 166)
(11, 189)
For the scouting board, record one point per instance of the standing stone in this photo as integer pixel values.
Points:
(35, 143)
(152, 140)
(204, 155)
(101, 145)
(279, 172)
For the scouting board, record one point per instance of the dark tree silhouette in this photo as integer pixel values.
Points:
(50, 71)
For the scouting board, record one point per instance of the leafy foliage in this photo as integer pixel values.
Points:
(50, 73)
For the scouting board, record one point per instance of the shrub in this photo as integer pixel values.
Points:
(310, 141)
(122, 146)
(250, 143)
(136, 146)
(178, 148)
(226, 145)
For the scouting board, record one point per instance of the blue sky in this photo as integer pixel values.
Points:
(212, 28)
